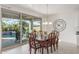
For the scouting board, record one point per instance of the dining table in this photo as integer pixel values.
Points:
(43, 42)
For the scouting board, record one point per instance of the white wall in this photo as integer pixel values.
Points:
(69, 34)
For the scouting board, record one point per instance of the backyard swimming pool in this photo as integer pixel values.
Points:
(9, 34)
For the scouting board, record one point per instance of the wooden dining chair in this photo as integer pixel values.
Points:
(57, 39)
(53, 39)
(33, 44)
(50, 42)
(44, 45)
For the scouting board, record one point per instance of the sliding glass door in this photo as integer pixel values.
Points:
(16, 27)
(26, 29)
(10, 28)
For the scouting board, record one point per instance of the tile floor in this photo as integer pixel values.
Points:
(64, 48)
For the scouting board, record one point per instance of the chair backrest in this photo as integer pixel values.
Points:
(53, 37)
(31, 40)
(57, 35)
(50, 38)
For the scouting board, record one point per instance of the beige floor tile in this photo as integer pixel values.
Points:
(64, 48)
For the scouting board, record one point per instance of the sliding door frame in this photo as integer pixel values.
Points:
(0, 31)
(20, 28)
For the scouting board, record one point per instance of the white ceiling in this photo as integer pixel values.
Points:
(52, 8)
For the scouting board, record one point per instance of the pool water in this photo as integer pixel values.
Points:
(8, 34)
(9, 39)
(5, 36)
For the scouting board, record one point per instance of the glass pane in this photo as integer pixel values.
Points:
(37, 25)
(10, 28)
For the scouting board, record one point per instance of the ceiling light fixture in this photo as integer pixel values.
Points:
(50, 23)
(47, 23)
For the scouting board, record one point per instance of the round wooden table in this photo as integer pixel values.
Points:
(44, 44)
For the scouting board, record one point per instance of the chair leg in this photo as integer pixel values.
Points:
(30, 50)
(35, 51)
(39, 50)
(57, 46)
(54, 47)
(47, 50)
(42, 50)
(57, 43)
(51, 49)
